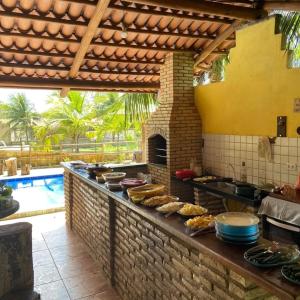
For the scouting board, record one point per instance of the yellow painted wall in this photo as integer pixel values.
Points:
(258, 87)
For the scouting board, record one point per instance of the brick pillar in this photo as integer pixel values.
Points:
(176, 119)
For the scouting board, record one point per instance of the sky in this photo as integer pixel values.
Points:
(37, 97)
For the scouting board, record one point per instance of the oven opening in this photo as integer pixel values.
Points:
(157, 149)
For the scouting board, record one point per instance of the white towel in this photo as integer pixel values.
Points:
(264, 148)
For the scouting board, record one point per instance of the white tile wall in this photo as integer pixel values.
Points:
(222, 150)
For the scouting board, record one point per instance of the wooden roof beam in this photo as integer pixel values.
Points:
(212, 8)
(87, 39)
(216, 43)
(280, 5)
(14, 81)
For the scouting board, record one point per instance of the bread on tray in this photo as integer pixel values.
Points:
(159, 200)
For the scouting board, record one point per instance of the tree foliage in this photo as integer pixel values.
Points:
(68, 118)
(21, 116)
(94, 116)
(290, 28)
(120, 113)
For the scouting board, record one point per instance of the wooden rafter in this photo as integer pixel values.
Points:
(154, 12)
(150, 62)
(205, 7)
(86, 40)
(213, 45)
(88, 36)
(282, 5)
(13, 81)
(168, 33)
(65, 46)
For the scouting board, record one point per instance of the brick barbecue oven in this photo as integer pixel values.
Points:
(173, 133)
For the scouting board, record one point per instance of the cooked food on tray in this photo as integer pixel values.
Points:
(146, 191)
(137, 199)
(200, 222)
(204, 178)
(272, 255)
(291, 273)
(159, 200)
(170, 207)
(127, 183)
(192, 210)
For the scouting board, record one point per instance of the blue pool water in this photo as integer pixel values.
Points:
(38, 193)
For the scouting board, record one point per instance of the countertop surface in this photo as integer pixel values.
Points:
(228, 254)
(220, 188)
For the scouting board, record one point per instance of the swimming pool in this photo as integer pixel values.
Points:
(38, 193)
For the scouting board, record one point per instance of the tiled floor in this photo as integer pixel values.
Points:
(63, 269)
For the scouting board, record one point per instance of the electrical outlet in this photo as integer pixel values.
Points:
(292, 167)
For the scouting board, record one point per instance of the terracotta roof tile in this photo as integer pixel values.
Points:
(40, 38)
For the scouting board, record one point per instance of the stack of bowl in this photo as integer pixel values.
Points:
(237, 228)
(112, 180)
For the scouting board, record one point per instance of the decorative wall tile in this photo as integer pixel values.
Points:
(221, 150)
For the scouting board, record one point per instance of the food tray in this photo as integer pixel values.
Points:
(113, 176)
(176, 207)
(288, 272)
(272, 255)
(195, 214)
(146, 191)
(160, 200)
(207, 220)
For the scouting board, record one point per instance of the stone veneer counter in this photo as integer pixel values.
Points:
(147, 256)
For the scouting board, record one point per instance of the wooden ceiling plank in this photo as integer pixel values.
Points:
(14, 81)
(88, 57)
(205, 7)
(280, 5)
(22, 16)
(154, 12)
(211, 48)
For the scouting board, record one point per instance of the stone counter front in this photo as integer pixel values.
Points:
(146, 259)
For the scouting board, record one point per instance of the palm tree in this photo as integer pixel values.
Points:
(290, 26)
(21, 115)
(69, 117)
(134, 106)
(121, 112)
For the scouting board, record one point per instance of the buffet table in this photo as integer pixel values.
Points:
(148, 256)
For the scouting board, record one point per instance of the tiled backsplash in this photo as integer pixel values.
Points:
(221, 151)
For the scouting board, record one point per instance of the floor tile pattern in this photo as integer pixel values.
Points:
(63, 269)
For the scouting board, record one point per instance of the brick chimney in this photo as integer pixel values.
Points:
(176, 121)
